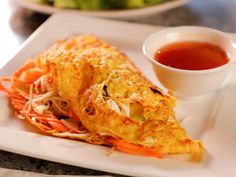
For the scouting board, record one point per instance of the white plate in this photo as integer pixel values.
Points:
(212, 116)
(121, 14)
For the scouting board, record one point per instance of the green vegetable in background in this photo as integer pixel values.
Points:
(42, 1)
(99, 4)
(66, 3)
(142, 3)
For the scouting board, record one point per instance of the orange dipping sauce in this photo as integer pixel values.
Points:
(192, 55)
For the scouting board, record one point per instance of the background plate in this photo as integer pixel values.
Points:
(121, 14)
(212, 117)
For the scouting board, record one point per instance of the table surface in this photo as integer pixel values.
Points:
(17, 24)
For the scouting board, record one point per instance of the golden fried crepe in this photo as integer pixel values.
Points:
(82, 88)
(113, 99)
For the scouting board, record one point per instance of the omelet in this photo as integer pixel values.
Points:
(112, 98)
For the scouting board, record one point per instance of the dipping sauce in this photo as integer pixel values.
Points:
(192, 55)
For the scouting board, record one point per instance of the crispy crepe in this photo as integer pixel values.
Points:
(82, 88)
(112, 97)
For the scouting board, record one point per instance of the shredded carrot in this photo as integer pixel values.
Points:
(135, 149)
(2, 87)
(28, 65)
(58, 126)
(47, 119)
(17, 81)
(31, 75)
(41, 115)
(39, 125)
(26, 75)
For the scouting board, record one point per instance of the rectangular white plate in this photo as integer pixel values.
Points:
(212, 117)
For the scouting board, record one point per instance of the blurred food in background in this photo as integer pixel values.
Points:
(99, 4)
